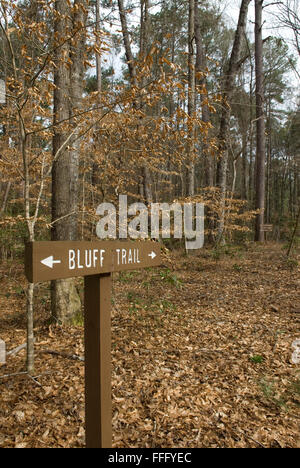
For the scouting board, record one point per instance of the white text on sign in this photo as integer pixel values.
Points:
(127, 257)
(92, 258)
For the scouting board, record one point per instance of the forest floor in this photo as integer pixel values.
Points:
(202, 356)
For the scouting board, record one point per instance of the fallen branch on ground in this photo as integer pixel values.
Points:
(16, 350)
(74, 357)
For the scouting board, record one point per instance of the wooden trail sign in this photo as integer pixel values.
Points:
(45, 261)
(267, 227)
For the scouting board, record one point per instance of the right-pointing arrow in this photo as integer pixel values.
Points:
(152, 255)
(49, 261)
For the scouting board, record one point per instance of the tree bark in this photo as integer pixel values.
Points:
(30, 330)
(144, 42)
(200, 67)
(126, 40)
(191, 99)
(244, 190)
(5, 199)
(145, 26)
(229, 80)
(260, 124)
(68, 80)
(98, 42)
(147, 182)
(95, 177)
(294, 234)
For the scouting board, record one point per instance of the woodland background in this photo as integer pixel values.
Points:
(162, 101)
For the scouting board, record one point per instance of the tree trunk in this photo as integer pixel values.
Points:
(95, 177)
(30, 330)
(5, 199)
(126, 40)
(269, 162)
(191, 100)
(244, 190)
(65, 299)
(260, 124)
(200, 67)
(132, 72)
(144, 42)
(294, 234)
(98, 42)
(229, 80)
(145, 26)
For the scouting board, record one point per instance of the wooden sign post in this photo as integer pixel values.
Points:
(45, 261)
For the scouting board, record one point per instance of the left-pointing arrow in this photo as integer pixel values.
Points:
(49, 261)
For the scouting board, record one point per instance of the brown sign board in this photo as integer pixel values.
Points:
(46, 261)
(267, 227)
